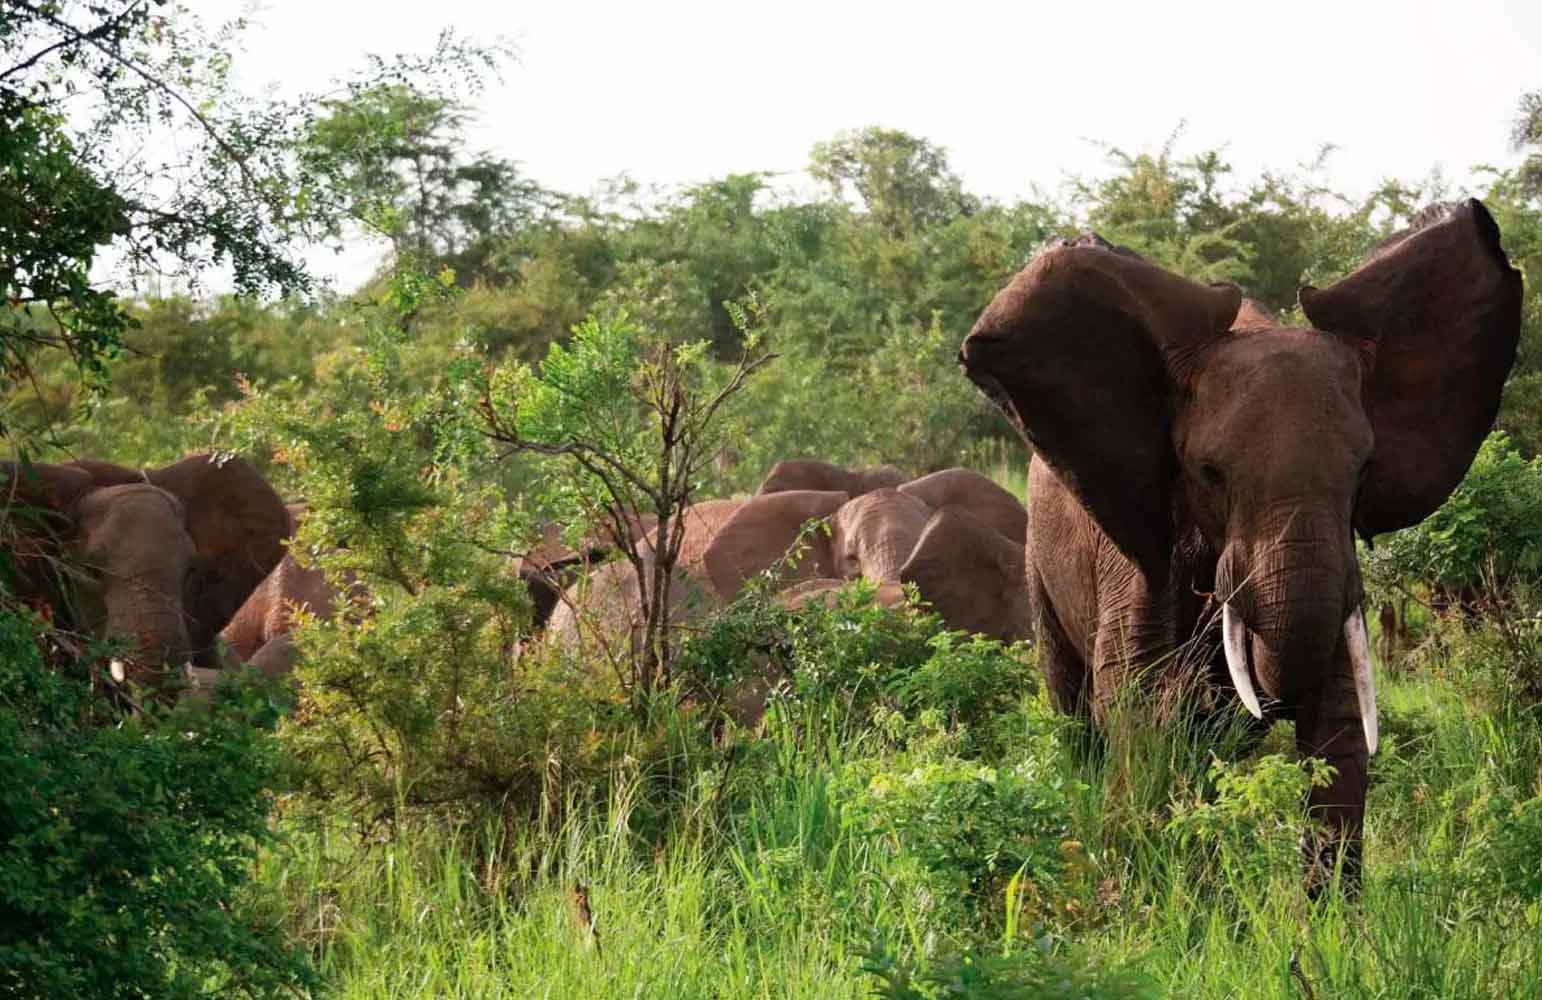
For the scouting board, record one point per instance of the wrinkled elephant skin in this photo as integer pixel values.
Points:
(166, 556)
(1185, 444)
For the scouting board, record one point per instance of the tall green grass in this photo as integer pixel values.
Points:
(759, 883)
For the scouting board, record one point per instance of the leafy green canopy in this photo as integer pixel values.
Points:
(119, 129)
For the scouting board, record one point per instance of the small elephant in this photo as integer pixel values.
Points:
(970, 572)
(551, 567)
(809, 474)
(166, 556)
(604, 613)
(1186, 445)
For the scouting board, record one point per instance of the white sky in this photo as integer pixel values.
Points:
(675, 92)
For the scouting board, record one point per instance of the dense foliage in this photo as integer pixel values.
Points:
(478, 813)
(128, 847)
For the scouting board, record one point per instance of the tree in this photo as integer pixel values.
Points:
(168, 165)
(904, 181)
(394, 152)
(1526, 137)
(635, 416)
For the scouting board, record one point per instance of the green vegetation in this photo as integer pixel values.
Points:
(453, 809)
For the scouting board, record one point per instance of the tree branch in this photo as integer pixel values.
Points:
(152, 80)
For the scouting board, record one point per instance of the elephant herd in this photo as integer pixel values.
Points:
(1198, 475)
(955, 534)
(172, 560)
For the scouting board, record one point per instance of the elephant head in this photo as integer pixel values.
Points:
(1194, 430)
(161, 558)
(970, 573)
(810, 474)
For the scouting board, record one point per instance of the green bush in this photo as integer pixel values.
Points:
(128, 847)
(1484, 538)
(972, 826)
(1250, 831)
(853, 663)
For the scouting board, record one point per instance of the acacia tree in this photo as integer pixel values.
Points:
(393, 152)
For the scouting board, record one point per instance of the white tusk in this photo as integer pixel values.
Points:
(1234, 637)
(1365, 681)
(117, 671)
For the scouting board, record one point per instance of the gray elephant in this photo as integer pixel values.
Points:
(965, 566)
(162, 557)
(598, 613)
(810, 474)
(1189, 453)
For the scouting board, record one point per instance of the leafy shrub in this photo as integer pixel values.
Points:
(864, 663)
(1503, 857)
(970, 825)
(1252, 827)
(128, 847)
(1502, 649)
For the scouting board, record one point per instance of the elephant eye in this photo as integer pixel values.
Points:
(1212, 474)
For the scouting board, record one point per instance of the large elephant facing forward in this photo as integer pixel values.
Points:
(1189, 449)
(165, 556)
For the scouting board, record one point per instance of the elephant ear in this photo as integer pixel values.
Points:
(1440, 308)
(970, 574)
(44, 487)
(1083, 352)
(981, 495)
(762, 530)
(238, 525)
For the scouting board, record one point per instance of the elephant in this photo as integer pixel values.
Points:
(551, 567)
(970, 572)
(599, 614)
(609, 603)
(164, 556)
(986, 499)
(1190, 452)
(701, 524)
(258, 633)
(809, 474)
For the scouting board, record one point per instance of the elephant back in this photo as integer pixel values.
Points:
(825, 477)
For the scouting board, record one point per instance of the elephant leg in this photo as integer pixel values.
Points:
(1331, 729)
(1065, 672)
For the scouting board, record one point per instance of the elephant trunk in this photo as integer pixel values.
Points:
(155, 638)
(1289, 596)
